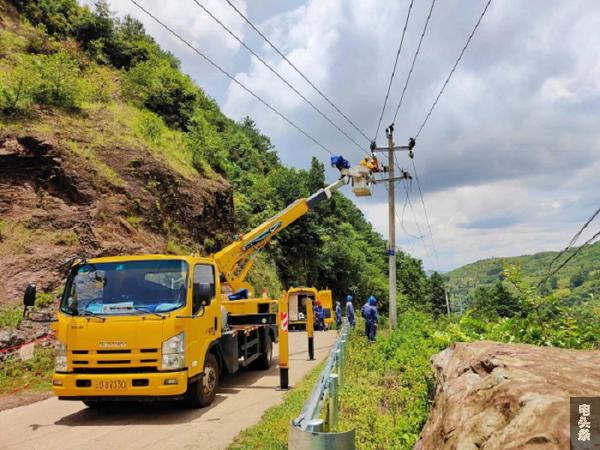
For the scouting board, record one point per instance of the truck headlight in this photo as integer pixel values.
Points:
(60, 357)
(173, 352)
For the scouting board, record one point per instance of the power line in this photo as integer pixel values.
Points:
(406, 203)
(574, 238)
(298, 71)
(425, 211)
(276, 73)
(585, 244)
(412, 66)
(453, 68)
(387, 94)
(231, 77)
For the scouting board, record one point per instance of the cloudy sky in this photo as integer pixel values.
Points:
(510, 160)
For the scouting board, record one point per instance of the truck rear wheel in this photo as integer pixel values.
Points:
(264, 360)
(202, 392)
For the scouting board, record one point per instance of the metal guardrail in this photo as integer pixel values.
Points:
(312, 428)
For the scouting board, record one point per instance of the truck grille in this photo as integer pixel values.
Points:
(108, 361)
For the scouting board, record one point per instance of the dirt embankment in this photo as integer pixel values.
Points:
(499, 396)
(55, 203)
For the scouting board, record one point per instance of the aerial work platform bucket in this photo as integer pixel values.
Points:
(361, 185)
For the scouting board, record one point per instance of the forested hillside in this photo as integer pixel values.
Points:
(576, 283)
(109, 148)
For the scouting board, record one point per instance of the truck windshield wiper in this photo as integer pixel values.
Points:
(146, 310)
(91, 314)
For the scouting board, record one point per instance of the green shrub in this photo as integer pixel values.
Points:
(11, 317)
(33, 374)
(56, 16)
(162, 89)
(52, 80)
(60, 81)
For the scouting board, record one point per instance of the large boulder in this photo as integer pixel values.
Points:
(507, 396)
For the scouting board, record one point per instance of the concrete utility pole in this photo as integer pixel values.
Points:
(391, 180)
(447, 303)
(392, 227)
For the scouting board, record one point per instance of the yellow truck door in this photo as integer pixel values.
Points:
(326, 298)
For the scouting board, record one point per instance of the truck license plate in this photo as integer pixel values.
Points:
(110, 384)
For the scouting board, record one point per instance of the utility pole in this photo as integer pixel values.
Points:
(447, 303)
(391, 180)
(392, 227)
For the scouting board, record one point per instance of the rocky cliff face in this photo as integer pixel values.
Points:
(56, 203)
(499, 396)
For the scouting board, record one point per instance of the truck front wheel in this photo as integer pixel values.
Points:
(202, 392)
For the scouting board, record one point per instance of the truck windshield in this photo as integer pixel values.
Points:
(131, 287)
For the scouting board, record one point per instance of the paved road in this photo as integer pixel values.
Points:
(241, 401)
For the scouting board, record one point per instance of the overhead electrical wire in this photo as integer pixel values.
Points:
(568, 247)
(574, 238)
(425, 211)
(276, 73)
(453, 69)
(387, 94)
(228, 75)
(566, 261)
(298, 71)
(412, 66)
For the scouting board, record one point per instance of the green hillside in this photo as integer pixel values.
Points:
(577, 282)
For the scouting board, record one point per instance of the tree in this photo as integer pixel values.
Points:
(578, 279)
(437, 294)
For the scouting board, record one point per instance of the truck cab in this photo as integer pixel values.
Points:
(153, 327)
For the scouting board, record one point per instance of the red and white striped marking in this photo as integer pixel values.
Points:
(284, 321)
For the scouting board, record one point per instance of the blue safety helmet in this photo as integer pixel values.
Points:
(372, 300)
(348, 298)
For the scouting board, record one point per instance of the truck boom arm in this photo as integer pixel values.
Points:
(235, 260)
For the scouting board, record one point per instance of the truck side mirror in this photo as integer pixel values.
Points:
(202, 295)
(30, 294)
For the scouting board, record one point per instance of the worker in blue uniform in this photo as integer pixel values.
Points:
(338, 314)
(350, 311)
(369, 312)
(319, 316)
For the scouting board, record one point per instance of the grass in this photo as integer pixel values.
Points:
(34, 374)
(386, 396)
(272, 431)
(17, 238)
(11, 317)
(88, 153)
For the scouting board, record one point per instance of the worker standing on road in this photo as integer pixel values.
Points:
(369, 312)
(338, 315)
(320, 316)
(350, 310)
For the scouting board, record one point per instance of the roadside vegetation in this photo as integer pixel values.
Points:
(34, 374)
(272, 431)
(389, 385)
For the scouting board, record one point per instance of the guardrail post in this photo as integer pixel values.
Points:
(333, 400)
(309, 430)
(315, 425)
(340, 361)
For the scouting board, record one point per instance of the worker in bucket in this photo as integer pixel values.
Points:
(338, 315)
(369, 312)
(350, 311)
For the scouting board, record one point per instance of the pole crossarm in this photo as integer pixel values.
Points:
(394, 149)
